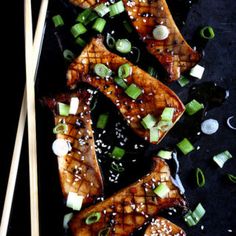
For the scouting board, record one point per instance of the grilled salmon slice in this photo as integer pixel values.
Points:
(154, 99)
(79, 170)
(128, 209)
(173, 53)
(163, 227)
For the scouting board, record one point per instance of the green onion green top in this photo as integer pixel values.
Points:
(133, 91)
(154, 134)
(162, 190)
(124, 71)
(116, 8)
(148, 121)
(86, 16)
(183, 81)
(185, 146)
(93, 218)
(117, 153)
(78, 29)
(57, 20)
(120, 82)
(102, 70)
(68, 55)
(99, 25)
(63, 109)
(102, 120)
(207, 32)
(165, 154)
(123, 45)
(193, 107)
(102, 9)
(168, 114)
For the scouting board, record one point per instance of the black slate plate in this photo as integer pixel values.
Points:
(218, 196)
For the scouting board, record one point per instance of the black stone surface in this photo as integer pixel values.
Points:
(218, 196)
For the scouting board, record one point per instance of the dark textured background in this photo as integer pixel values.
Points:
(218, 196)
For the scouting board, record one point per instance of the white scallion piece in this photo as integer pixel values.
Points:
(60, 147)
(74, 201)
(229, 124)
(162, 190)
(74, 104)
(209, 126)
(197, 71)
(222, 157)
(66, 220)
(165, 154)
(160, 32)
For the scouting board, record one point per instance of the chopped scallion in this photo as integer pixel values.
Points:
(222, 157)
(93, 218)
(58, 21)
(162, 190)
(63, 109)
(124, 71)
(164, 125)
(111, 42)
(167, 114)
(149, 121)
(102, 9)
(60, 129)
(74, 201)
(133, 91)
(209, 126)
(185, 146)
(102, 70)
(193, 107)
(60, 147)
(138, 52)
(232, 178)
(99, 24)
(102, 120)
(161, 32)
(68, 55)
(197, 71)
(104, 231)
(120, 82)
(183, 81)
(117, 153)
(117, 167)
(207, 32)
(154, 134)
(127, 26)
(165, 154)
(116, 8)
(80, 42)
(123, 45)
(66, 220)
(74, 105)
(200, 177)
(78, 29)
(86, 16)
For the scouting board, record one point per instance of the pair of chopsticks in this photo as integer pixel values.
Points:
(32, 55)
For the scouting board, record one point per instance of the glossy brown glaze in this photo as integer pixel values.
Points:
(129, 209)
(173, 53)
(79, 170)
(160, 226)
(154, 98)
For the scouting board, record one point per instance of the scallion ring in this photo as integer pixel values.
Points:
(57, 20)
(200, 177)
(68, 55)
(229, 124)
(207, 32)
(104, 231)
(60, 129)
(93, 218)
(102, 70)
(123, 45)
(124, 71)
(232, 178)
(138, 53)
(117, 167)
(110, 41)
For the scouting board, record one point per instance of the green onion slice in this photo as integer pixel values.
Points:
(232, 178)
(185, 146)
(60, 129)
(63, 108)
(193, 107)
(102, 120)
(104, 231)
(127, 26)
(207, 32)
(124, 71)
(80, 42)
(74, 201)
(58, 21)
(117, 153)
(68, 55)
(165, 154)
(162, 190)
(168, 113)
(164, 125)
(123, 45)
(192, 218)
(133, 91)
(86, 16)
(138, 53)
(154, 134)
(99, 25)
(183, 81)
(111, 42)
(66, 220)
(117, 167)
(78, 29)
(148, 121)
(102, 9)
(200, 177)
(102, 70)
(116, 8)
(93, 218)
(222, 157)
(151, 71)
(120, 82)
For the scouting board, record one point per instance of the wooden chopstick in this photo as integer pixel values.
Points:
(38, 39)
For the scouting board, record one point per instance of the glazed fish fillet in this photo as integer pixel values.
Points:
(163, 227)
(173, 53)
(129, 209)
(154, 98)
(79, 170)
